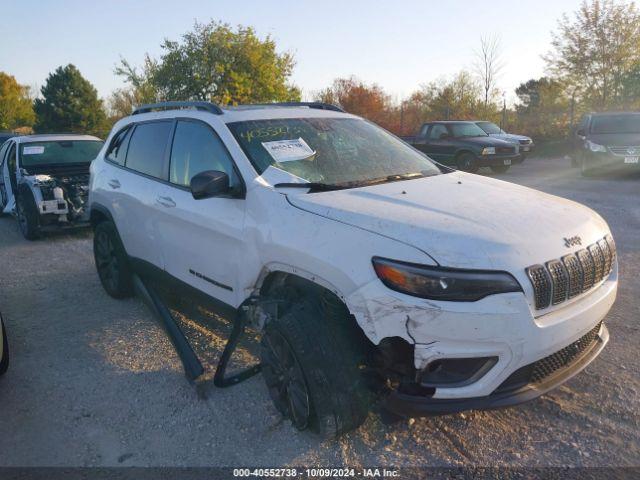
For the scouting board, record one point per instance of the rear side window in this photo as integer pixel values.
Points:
(196, 148)
(118, 148)
(437, 131)
(146, 148)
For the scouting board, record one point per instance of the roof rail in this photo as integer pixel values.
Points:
(318, 105)
(205, 106)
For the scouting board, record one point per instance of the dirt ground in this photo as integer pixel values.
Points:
(94, 382)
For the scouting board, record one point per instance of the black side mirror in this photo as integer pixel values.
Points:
(444, 136)
(210, 183)
(581, 133)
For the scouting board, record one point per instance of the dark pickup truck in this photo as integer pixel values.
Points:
(464, 145)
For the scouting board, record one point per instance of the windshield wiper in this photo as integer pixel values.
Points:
(312, 186)
(325, 187)
(405, 176)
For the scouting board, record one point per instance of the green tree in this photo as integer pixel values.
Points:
(631, 88)
(69, 103)
(594, 51)
(544, 109)
(217, 63)
(16, 108)
(460, 98)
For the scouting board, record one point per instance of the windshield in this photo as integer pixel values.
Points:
(489, 128)
(58, 152)
(616, 123)
(466, 130)
(328, 150)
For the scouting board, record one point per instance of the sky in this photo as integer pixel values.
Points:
(397, 44)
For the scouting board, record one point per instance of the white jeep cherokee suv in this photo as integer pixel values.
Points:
(366, 266)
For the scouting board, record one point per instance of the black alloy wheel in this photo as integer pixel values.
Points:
(106, 260)
(285, 380)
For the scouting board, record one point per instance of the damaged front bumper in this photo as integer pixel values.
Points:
(507, 394)
(500, 331)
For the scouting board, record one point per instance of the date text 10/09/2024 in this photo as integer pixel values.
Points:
(316, 473)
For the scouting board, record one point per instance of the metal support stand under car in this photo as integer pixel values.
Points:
(192, 366)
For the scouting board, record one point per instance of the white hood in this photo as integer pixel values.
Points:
(463, 220)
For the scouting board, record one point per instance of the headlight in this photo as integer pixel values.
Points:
(489, 151)
(437, 283)
(594, 147)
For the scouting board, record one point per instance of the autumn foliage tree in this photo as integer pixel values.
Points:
(356, 97)
(457, 98)
(16, 109)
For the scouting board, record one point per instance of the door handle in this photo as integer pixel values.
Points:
(113, 183)
(166, 202)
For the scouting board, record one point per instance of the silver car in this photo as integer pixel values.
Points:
(526, 143)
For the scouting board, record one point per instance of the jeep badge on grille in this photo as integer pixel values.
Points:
(572, 241)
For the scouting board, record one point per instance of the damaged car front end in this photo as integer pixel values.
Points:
(51, 182)
(61, 197)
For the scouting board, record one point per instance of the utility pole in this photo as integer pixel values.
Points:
(503, 122)
(572, 111)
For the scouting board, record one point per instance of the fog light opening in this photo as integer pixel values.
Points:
(455, 372)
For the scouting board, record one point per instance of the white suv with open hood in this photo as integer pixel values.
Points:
(366, 266)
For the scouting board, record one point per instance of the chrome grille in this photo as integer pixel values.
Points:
(574, 270)
(598, 261)
(541, 285)
(588, 269)
(604, 248)
(559, 280)
(628, 151)
(612, 247)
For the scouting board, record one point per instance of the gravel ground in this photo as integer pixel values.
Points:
(94, 382)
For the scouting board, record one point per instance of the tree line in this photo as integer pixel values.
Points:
(593, 64)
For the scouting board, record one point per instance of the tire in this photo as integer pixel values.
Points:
(4, 361)
(28, 215)
(312, 358)
(467, 162)
(112, 262)
(499, 168)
